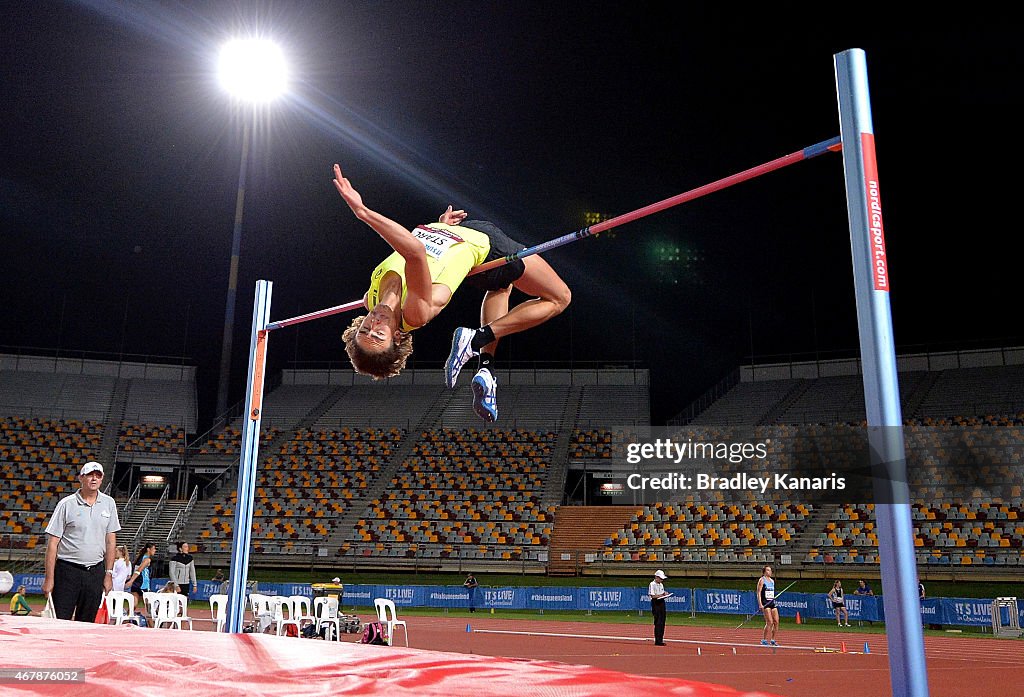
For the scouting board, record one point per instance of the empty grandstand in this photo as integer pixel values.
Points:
(402, 474)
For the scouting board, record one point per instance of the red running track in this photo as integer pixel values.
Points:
(957, 666)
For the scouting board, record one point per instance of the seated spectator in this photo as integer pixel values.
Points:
(19, 606)
(863, 588)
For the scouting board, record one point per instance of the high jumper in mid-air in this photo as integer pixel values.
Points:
(413, 284)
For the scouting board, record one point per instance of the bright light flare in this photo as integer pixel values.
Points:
(253, 69)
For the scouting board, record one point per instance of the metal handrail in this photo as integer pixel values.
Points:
(173, 529)
(220, 480)
(142, 529)
(133, 499)
(162, 502)
(181, 519)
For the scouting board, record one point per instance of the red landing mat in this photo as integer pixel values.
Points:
(129, 661)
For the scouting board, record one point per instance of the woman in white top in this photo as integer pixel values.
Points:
(122, 567)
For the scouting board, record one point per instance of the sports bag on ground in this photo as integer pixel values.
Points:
(375, 633)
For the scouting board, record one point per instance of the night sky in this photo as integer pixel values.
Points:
(119, 164)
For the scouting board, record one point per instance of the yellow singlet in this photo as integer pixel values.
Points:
(451, 252)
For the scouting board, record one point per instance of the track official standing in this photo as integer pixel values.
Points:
(472, 585)
(657, 592)
(80, 548)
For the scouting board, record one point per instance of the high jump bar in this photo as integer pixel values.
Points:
(831, 145)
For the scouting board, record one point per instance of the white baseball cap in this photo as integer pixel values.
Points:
(660, 574)
(91, 466)
(335, 580)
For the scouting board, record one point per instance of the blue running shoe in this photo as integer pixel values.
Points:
(462, 351)
(764, 642)
(774, 643)
(485, 401)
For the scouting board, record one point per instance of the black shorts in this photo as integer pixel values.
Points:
(501, 246)
(836, 605)
(770, 605)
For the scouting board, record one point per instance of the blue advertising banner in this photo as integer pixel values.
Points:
(732, 602)
(404, 596)
(608, 599)
(33, 583)
(498, 598)
(806, 604)
(552, 598)
(818, 606)
(448, 596)
(932, 610)
(970, 612)
(681, 602)
(359, 594)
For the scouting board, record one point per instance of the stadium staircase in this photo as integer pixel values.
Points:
(112, 427)
(311, 417)
(159, 528)
(581, 530)
(774, 414)
(345, 528)
(913, 401)
(199, 519)
(130, 526)
(558, 468)
(801, 543)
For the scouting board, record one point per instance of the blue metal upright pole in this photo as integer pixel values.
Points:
(246, 491)
(907, 669)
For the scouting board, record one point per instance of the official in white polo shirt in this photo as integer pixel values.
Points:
(658, 594)
(80, 548)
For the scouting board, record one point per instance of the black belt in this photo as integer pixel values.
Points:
(80, 566)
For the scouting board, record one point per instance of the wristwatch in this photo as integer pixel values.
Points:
(110, 571)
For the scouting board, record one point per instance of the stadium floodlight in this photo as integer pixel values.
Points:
(253, 69)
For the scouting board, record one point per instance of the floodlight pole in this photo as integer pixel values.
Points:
(236, 248)
(907, 671)
(247, 463)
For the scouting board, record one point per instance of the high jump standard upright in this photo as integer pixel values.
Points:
(907, 672)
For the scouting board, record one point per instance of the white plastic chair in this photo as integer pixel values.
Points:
(121, 607)
(283, 613)
(218, 606)
(301, 610)
(259, 604)
(262, 611)
(386, 614)
(181, 609)
(325, 613)
(155, 605)
(170, 609)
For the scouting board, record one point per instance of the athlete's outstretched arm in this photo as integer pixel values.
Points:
(400, 239)
(417, 274)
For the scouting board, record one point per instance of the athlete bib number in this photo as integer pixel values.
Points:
(769, 594)
(436, 242)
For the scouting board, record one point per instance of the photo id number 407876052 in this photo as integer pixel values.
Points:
(15, 676)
